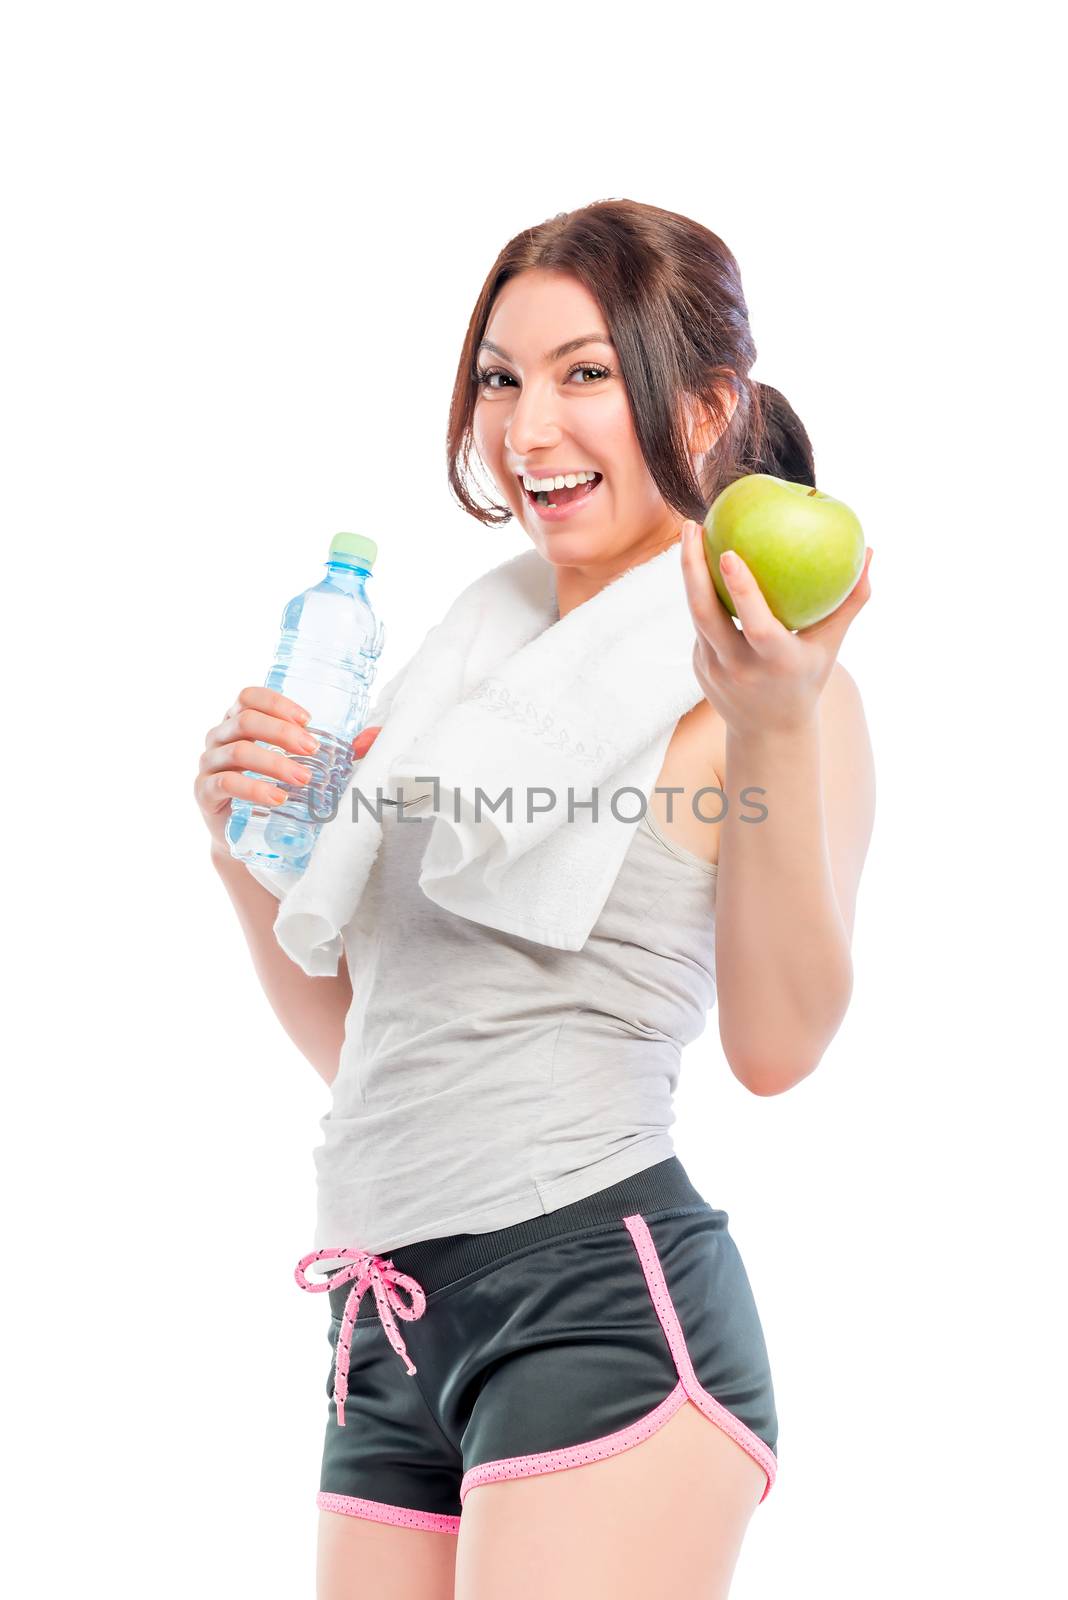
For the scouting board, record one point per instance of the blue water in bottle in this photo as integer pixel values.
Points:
(326, 661)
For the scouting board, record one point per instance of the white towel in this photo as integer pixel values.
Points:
(505, 696)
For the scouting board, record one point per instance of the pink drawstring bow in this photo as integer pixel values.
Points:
(371, 1272)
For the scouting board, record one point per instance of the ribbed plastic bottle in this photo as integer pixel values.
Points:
(326, 661)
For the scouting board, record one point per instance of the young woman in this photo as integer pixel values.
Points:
(593, 1386)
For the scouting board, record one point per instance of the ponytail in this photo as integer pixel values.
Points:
(783, 448)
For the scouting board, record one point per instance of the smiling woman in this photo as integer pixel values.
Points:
(594, 1393)
(662, 316)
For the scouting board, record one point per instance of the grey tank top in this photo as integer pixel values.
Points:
(485, 1078)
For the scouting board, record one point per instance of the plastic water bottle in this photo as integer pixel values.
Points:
(326, 661)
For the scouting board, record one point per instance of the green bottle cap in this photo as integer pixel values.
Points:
(354, 548)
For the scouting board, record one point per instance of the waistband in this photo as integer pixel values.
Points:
(436, 1263)
(417, 1269)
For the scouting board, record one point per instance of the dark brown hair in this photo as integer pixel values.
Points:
(671, 295)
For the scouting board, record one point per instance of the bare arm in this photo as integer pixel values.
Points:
(311, 1010)
(787, 889)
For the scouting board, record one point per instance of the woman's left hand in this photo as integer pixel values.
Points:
(762, 676)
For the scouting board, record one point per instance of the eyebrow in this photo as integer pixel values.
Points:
(559, 352)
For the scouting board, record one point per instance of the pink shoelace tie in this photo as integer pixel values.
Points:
(370, 1272)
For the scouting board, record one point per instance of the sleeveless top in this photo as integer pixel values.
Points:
(484, 1078)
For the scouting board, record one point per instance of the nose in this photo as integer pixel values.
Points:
(533, 424)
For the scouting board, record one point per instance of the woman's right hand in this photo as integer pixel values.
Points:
(230, 750)
(365, 739)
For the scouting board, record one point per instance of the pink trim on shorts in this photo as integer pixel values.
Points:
(378, 1511)
(688, 1388)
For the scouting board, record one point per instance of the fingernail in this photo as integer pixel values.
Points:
(727, 563)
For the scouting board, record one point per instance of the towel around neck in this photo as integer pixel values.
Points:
(538, 740)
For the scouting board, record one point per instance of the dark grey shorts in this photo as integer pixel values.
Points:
(560, 1340)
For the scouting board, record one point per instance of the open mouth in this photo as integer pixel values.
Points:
(556, 498)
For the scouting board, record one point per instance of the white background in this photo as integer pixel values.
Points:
(243, 245)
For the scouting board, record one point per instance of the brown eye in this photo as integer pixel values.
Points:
(482, 378)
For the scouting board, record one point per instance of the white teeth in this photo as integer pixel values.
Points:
(562, 480)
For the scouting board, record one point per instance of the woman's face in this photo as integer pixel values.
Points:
(542, 412)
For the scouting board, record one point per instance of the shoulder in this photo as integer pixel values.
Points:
(698, 747)
(841, 711)
(840, 691)
(848, 776)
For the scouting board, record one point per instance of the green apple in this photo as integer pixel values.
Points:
(805, 549)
